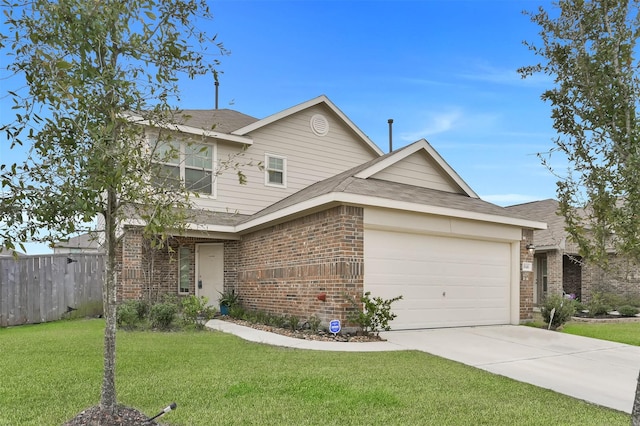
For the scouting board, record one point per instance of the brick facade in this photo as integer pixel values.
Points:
(622, 278)
(148, 273)
(284, 268)
(281, 269)
(526, 278)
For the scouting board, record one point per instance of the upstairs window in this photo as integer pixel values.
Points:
(188, 164)
(275, 170)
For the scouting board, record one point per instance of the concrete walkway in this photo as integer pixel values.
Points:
(598, 371)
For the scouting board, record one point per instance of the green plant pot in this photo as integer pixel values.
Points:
(224, 310)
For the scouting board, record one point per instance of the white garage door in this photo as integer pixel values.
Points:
(444, 281)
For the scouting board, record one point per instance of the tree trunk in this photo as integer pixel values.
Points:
(108, 394)
(635, 413)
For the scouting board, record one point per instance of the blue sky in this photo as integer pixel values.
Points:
(444, 70)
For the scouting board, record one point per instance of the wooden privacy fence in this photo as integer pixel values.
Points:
(36, 289)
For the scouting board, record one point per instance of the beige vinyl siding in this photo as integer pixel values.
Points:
(310, 158)
(418, 170)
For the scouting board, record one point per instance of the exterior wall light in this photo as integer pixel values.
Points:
(531, 248)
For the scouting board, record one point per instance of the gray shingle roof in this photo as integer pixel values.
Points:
(218, 120)
(346, 182)
(544, 211)
(208, 217)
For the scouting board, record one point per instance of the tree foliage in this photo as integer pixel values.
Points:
(94, 72)
(589, 48)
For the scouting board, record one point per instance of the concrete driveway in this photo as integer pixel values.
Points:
(601, 372)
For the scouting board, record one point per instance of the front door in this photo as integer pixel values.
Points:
(210, 271)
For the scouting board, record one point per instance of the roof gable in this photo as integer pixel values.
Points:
(418, 164)
(555, 235)
(244, 131)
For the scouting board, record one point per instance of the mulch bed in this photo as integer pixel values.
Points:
(124, 416)
(306, 334)
(581, 317)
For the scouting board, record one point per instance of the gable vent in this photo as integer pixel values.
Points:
(319, 125)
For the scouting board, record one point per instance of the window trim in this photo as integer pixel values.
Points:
(267, 169)
(182, 162)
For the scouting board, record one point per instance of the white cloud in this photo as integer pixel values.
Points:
(435, 123)
(510, 76)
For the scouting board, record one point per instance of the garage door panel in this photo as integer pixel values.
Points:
(423, 291)
(444, 281)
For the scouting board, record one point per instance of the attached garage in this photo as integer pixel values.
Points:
(450, 272)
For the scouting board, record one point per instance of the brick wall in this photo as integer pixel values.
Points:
(148, 273)
(282, 269)
(622, 278)
(526, 278)
(554, 272)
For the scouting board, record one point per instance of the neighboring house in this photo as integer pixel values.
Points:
(331, 215)
(558, 266)
(84, 243)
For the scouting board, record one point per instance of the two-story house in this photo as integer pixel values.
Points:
(328, 214)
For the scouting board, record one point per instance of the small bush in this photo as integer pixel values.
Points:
(293, 322)
(162, 315)
(236, 311)
(196, 311)
(142, 307)
(561, 307)
(127, 314)
(579, 306)
(628, 311)
(262, 317)
(612, 300)
(633, 300)
(372, 315)
(597, 305)
(314, 323)
(278, 321)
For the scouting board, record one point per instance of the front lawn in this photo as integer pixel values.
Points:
(50, 372)
(623, 332)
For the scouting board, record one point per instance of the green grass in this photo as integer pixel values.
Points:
(50, 372)
(623, 332)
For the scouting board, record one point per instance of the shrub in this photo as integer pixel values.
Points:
(196, 310)
(561, 307)
(278, 321)
(314, 323)
(236, 311)
(612, 300)
(597, 305)
(127, 314)
(293, 322)
(633, 300)
(628, 311)
(163, 314)
(372, 315)
(142, 307)
(579, 306)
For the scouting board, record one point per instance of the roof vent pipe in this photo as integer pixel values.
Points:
(217, 83)
(390, 121)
